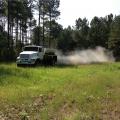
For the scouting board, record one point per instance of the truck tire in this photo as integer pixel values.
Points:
(50, 60)
(37, 62)
(53, 62)
(18, 65)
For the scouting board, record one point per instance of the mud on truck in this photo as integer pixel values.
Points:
(35, 55)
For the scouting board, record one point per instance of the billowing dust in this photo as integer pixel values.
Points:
(97, 55)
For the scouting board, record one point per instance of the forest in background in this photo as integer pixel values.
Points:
(35, 22)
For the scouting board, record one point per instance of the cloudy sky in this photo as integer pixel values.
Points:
(73, 9)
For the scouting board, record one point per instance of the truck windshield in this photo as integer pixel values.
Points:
(31, 49)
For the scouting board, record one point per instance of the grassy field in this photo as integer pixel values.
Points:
(84, 92)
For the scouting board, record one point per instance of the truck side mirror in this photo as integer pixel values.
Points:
(22, 48)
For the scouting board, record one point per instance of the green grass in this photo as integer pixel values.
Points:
(84, 92)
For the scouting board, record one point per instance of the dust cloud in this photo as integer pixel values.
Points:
(97, 55)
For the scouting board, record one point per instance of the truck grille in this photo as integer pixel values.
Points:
(24, 60)
(24, 56)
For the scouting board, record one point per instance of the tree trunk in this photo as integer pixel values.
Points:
(16, 30)
(43, 30)
(8, 25)
(50, 31)
(20, 31)
(39, 26)
(12, 43)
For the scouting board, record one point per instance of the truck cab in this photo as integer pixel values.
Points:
(34, 55)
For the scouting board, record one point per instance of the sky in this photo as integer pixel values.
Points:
(73, 9)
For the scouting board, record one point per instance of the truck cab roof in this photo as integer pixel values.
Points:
(38, 48)
(33, 48)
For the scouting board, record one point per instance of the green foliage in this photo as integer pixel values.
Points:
(114, 38)
(22, 28)
(37, 32)
(98, 34)
(48, 12)
(24, 116)
(84, 36)
(6, 54)
(65, 40)
(53, 31)
(3, 5)
(81, 33)
(3, 39)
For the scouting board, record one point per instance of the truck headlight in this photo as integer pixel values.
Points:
(18, 58)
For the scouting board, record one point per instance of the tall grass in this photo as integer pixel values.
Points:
(60, 92)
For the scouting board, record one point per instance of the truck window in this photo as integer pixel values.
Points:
(31, 49)
(40, 49)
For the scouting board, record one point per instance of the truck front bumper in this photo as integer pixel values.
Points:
(25, 62)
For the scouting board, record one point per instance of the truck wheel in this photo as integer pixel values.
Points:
(18, 65)
(36, 63)
(52, 62)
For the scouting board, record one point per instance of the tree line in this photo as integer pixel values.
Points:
(24, 22)
(35, 22)
(101, 31)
